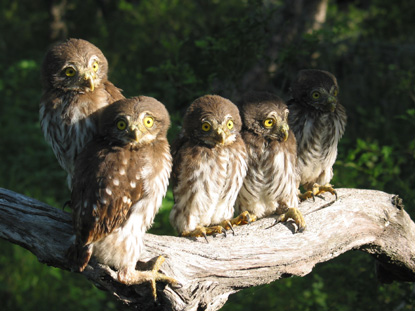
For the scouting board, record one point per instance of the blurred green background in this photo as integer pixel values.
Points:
(179, 50)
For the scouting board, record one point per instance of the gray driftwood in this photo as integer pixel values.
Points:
(372, 221)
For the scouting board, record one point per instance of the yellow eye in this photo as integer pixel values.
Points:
(148, 121)
(230, 124)
(335, 92)
(121, 125)
(315, 95)
(268, 123)
(95, 66)
(206, 127)
(70, 72)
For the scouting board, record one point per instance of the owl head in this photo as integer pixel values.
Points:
(74, 65)
(265, 115)
(316, 89)
(136, 121)
(212, 120)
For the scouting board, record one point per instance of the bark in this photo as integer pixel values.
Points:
(368, 220)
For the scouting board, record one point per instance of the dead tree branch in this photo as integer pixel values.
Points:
(372, 221)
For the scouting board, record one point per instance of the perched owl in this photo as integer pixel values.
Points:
(209, 165)
(318, 121)
(75, 87)
(270, 186)
(119, 181)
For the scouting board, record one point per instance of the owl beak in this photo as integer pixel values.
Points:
(283, 131)
(135, 134)
(221, 136)
(331, 103)
(89, 79)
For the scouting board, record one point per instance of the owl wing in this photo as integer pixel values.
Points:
(114, 93)
(105, 186)
(176, 146)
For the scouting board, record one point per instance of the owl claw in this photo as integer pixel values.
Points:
(205, 231)
(205, 236)
(243, 219)
(294, 214)
(130, 276)
(316, 191)
(227, 225)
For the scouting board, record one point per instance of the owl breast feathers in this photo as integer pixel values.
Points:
(209, 164)
(318, 121)
(120, 179)
(75, 88)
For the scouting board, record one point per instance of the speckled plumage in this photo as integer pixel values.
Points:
(70, 104)
(318, 125)
(208, 166)
(120, 179)
(270, 186)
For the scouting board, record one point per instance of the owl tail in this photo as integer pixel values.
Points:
(78, 256)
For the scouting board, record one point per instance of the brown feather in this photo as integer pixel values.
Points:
(317, 130)
(118, 179)
(270, 185)
(207, 175)
(69, 109)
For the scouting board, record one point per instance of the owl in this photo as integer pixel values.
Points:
(119, 181)
(209, 165)
(75, 88)
(270, 185)
(318, 121)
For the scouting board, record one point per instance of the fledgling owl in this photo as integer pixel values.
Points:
(209, 165)
(270, 186)
(318, 121)
(75, 88)
(119, 181)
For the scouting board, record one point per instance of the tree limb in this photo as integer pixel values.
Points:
(367, 220)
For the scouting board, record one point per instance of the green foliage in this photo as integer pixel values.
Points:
(178, 50)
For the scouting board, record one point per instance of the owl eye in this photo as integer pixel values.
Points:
(148, 121)
(95, 66)
(70, 72)
(268, 123)
(230, 124)
(335, 92)
(315, 95)
(206, 127)
(121, 124)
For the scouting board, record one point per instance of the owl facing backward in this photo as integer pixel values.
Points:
(209, 165)
(75, 88)
(119, 181)
(270, 186)
(318, 121)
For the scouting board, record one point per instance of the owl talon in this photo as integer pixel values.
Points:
(223, 231)
(227, 225)
(129, 276)
(316, 191)
(243, 219)
(205, 231)
(294, 214)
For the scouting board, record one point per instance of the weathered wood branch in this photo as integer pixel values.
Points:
(367, 220)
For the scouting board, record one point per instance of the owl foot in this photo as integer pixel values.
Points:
(205, 231)
(294, 214)
(243, 219)
(130, 276)
(316, 191)
(227, 225)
